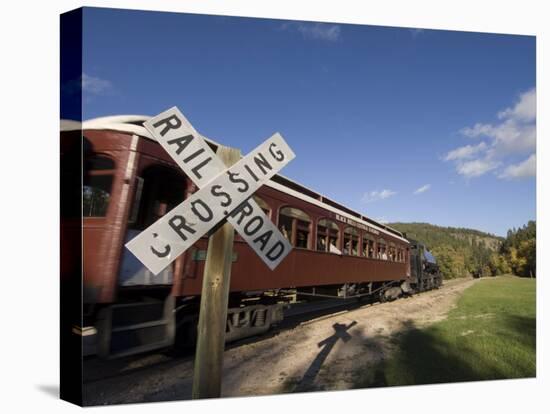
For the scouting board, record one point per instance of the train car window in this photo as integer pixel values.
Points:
(97, 184)
(285, 225)
(381, 250)
(263, 205)
(351, 241)
(392, 252)
(328, 234)
(295, 226)
(368, 245)
(400, 256)
(96, 194)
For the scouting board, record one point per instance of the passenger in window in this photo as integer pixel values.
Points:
(371, 252)
(161, 209)
(285, 232)
(346, 247)
(321, 244)
(334, 249)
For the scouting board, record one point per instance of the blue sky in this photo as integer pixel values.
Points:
(399, 124)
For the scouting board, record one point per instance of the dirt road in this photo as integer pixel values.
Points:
(324, 354)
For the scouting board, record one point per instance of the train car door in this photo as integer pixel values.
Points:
(158, 190)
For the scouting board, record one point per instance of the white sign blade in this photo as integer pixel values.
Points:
(185, 145)
(260, 233)
(158, 245)
(199, 162)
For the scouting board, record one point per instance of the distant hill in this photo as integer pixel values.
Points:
(459, 251)
(433, 235)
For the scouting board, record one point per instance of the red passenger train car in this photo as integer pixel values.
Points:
(129, 181)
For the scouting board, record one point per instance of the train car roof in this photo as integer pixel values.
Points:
(134, 124)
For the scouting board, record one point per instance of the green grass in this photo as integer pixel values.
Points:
(491, 334)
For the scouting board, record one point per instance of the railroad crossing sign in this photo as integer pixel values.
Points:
(225, 193)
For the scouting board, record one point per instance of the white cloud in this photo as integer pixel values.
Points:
(476, 168)
(422, 189)
(527, 168)
(501, 143)
(95, 86)
(511, 137)
(524, 110)
(467, 151)
(477, 130)
(377, 195)
(318, 31)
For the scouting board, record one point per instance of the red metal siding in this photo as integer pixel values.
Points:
(300, 268)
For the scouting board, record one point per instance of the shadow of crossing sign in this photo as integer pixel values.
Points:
(225, 194)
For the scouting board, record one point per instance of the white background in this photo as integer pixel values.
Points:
(30, 196)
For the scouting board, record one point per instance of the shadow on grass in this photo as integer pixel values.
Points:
(524, 328)
(425, 356)
(424, 359)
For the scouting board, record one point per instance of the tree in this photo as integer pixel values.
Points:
(520, 250)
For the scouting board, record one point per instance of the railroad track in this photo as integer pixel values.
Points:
(96, 369)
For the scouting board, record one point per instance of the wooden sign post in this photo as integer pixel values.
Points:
(213, 310)
(227, 183)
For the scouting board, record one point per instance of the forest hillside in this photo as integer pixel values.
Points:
(467, 252)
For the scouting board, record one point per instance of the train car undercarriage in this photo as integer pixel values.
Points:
(154, 323)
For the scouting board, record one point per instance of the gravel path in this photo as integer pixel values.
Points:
(328, 353)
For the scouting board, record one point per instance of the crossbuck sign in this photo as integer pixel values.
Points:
(225, 193)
